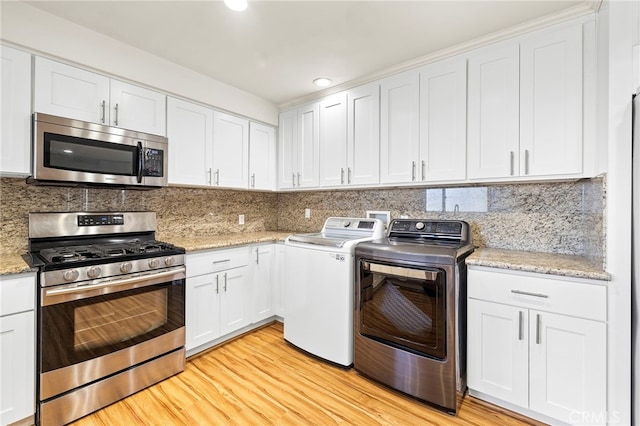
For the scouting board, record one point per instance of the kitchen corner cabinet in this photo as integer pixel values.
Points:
(216, 294)
(299, 150)
(15, 142)
(333, 140)
(17, 348)
(526, 105)
(230, 151)
(532, 346)
(262, 157)
(263, 287)
(67, 91)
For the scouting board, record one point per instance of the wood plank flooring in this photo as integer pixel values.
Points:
(258, 379)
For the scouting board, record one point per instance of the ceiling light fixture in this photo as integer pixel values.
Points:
(237, 5)
(322, 82)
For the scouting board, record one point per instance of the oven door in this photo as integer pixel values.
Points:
(90, 331)
(403, 307)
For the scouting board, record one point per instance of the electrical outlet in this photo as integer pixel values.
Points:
(241, 219)
(307, 213)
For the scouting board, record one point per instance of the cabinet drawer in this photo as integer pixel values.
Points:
(216, 260)
(17, 294)
(541, 292)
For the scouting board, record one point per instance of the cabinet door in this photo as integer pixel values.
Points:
(202, 310)
(308, 152)
(190, 132)
(493, 108)
(498, 351)
(263, 282)
(363, 135)
(262, 157)
(568, 367)
(551, 103)
(287, 149)
(443, 120)
(333, 140)
(230, 150)
(399, 144)
(15, 142)
(278, 287)
(234, 299)
(137, 108)
(70, 92)
(17, 367)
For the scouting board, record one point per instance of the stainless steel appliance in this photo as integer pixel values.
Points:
(319, 287)
(111, 316)
(410, 312)
(635, 287)
(74, 151)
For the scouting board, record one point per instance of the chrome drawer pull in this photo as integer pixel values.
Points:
(520, 323)
(526, 293)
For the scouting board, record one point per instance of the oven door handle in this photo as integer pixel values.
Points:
(397, 271)
(53, 296)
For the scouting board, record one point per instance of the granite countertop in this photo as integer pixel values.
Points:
(13, 263)
(544, 263)
(194, 243)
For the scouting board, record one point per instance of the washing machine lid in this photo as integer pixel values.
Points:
(340, 231)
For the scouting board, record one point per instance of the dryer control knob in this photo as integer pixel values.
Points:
(420, 226)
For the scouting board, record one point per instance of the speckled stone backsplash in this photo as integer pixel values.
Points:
(558, 217)
(180, 212)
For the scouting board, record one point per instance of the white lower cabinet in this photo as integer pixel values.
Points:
(538, 342)
(17, 348)
(263, 281)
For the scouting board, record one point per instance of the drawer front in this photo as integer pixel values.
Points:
(541, 292)
(17, 293)
(216, 260)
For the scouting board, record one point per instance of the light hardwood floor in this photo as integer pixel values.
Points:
(258, 379)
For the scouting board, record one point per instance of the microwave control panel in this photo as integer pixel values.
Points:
(153, 162)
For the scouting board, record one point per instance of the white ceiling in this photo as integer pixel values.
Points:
(276, 48)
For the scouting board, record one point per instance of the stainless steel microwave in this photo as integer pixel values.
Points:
(74, 151)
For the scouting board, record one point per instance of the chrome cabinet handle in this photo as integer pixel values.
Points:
(257, 256)
(225, 282)
(349, 175)
(511, 159)
(423, 170)
(217, 284)
(413, 170)
(215, 262)
(520, 324)
(217, 177)
(253, 180)
(209, 176)
(104, 111)
(341, 176)
(293, 179)
(115, 120)
(298, 179)
(526, 161)
(526, 293)
(538, 339)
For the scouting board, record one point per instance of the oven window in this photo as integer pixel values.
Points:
(86, 155)
(76, 331)
(106, 323)
(404, 312)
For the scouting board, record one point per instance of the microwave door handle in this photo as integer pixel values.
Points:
(140, 161)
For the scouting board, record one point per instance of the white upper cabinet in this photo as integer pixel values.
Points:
(15, 145)
(333, 140)
(399, 139)
(137, 108)
(363, 135)
(494, 105)
(443, 113)
(262, 157)
(72, 92)
(551, 102)
(190, 133)
(230, 150)
(287, 149)
(308, 151)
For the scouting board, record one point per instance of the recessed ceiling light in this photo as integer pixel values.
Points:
(237, 5)
(322, 82)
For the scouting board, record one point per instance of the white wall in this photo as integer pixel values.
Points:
(35, 30)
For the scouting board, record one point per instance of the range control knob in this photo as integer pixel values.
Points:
(71, 275)
(126, 267)
(94, 272)
(420, 226)
(153, 263)
(169, 261)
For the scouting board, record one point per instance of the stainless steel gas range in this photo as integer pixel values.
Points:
(111, 309)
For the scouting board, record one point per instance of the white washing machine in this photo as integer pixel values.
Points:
(319, 287)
